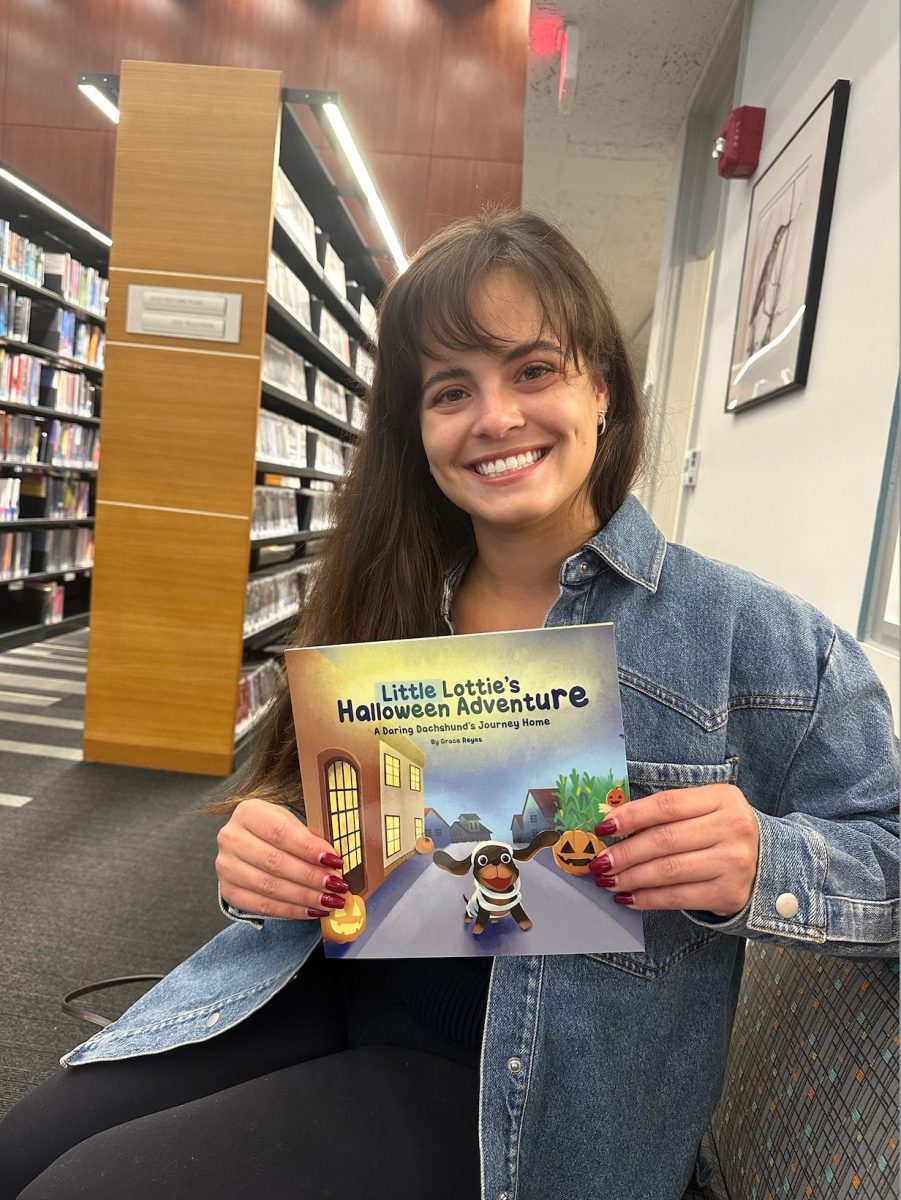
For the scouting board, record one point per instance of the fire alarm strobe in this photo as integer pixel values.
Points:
(737, 149)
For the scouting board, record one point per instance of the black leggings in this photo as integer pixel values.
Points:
(330, 1090)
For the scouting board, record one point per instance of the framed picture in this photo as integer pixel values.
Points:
(785, 251)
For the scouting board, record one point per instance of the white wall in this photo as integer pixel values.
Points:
(789, 489)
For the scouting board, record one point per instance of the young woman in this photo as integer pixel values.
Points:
(491, 492)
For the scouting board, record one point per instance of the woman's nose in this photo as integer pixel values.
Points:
(498, 412)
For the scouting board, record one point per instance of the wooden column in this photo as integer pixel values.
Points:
(192, 208)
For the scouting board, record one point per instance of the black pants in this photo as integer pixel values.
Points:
(330, 1090)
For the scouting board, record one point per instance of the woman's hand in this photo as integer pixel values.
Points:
(692, 848)
(271, 865)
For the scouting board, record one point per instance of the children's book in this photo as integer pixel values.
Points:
(460, 779)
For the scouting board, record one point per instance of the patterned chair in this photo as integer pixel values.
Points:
(810, 1101)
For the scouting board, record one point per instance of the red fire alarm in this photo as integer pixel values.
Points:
(737, 149)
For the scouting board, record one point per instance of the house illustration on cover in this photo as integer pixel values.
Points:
(436, 827)
(370, 789)
(537, 814)
(468, 828)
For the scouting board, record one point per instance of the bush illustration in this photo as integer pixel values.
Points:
(581, 799)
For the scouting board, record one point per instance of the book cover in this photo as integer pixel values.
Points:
(460, 779)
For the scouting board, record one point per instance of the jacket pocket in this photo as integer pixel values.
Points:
(669, 937)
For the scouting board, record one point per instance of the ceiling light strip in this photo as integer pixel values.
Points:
(379, 212)
(53, 206)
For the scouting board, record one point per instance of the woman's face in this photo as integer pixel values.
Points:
(511, 436)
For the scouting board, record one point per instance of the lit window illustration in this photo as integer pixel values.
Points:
(392, 835)
(417, 826)
(415, 779)
(392, 770)
(343, 791)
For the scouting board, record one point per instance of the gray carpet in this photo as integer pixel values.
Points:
(106, 871)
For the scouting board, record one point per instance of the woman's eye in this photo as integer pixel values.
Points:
(533, 371)
(449, 396)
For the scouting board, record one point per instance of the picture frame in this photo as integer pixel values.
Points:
(784, 258)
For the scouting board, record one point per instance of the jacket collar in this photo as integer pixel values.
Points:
(631, 543)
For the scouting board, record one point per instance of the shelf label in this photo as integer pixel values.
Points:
(180, 312)
(68, 577)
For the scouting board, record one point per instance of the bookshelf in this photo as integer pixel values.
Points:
(52, 320)
(218, 456)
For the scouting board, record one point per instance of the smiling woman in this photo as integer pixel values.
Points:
(491, 492)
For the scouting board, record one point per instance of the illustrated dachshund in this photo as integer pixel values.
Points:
(496, 875)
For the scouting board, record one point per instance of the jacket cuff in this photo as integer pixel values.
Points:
(787, 900)
(237, 914)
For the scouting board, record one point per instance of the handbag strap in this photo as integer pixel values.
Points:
(75, 1010)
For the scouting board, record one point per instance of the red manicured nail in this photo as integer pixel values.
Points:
(608, 825)
(624, 898)
(334, 883)
(319, 912)
(605, 881)
(331, 860)
(601, 865)
(331, 901)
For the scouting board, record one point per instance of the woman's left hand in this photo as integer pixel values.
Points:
(691, 848)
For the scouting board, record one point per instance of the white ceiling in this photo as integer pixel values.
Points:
(604, 171)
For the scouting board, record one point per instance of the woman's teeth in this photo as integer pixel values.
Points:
(500, 466)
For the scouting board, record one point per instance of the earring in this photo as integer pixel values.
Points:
(602, 422)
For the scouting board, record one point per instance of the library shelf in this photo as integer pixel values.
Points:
(159, 196)
(273, 468)
(262, 636)
(282, 324)
(39, 410)
(288, 405)
(298, 536)
(42, 523)
(29, 288)
(12, 636)
(71, 364)
(297, 258)
(278, 568)
(67, 576)
(46, 468)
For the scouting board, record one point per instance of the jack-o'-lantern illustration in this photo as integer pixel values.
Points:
(347, 923)
(575, 849)
(423, 845)
(615, 797)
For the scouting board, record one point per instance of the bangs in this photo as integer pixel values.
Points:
(439, 310)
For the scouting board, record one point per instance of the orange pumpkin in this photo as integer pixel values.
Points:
(575, 849)
(615, 797)
(347, 923)
(423, 845)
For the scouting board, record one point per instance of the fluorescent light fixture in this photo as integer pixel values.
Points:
(379, 212)
(103, 102)
(102, 90)
(53, 206)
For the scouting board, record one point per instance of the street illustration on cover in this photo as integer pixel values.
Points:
(460, 779)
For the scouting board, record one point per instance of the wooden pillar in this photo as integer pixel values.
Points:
(193, 190)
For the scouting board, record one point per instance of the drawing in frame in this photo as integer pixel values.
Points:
(785, 253)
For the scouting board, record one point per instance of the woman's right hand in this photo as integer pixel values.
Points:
(271, 865)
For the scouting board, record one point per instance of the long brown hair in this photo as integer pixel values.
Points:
(395, 534)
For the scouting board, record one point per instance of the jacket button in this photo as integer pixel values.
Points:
(583, 567)
(514, 1065)
(212, 1019)
(503, 1196)
(787, 905)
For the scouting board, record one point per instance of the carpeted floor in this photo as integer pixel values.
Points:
(104, 871)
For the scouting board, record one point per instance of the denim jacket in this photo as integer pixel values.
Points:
(599, 1072)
